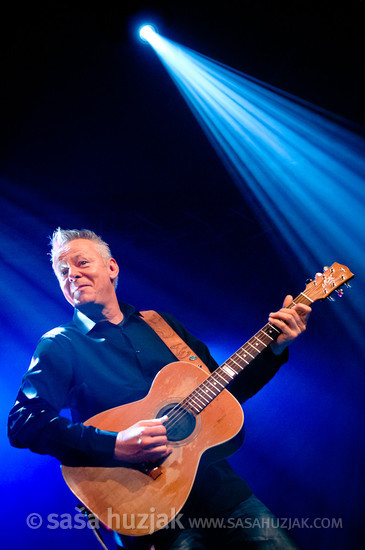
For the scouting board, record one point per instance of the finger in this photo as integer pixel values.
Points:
(158, 453)
(153, 431)
(153, 442)
(285, 316)
(299, 315)
(287, 301)
(152, 421)
(284, 327)
(297, 312)
(288, 322)
(148, 456)
(303, 310)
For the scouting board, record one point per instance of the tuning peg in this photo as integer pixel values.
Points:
(325, 268)
(339, 292)
(331, 299)
(347, 285)
(309, 281)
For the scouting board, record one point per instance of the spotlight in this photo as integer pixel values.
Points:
(146, 32)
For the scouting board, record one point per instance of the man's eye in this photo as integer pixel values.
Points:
(83, 262)
(64, 272)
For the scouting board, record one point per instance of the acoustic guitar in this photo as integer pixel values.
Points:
(203, 417)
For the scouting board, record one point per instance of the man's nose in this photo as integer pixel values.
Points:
(73, 273)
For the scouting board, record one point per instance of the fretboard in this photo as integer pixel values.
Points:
(234, 365)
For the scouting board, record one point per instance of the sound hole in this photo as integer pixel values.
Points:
(181, 422)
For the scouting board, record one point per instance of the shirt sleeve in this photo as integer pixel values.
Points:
(35, 421)
(254, 377)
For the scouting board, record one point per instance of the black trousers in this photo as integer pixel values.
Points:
(248, 526)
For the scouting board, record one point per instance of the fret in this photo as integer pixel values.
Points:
(235, 362)
(242, 359)
(254, 346)
(192, 396)
(218, 373)
(229, 371)
(193, 408)
(234, 365)
(190, 407)
(261, 342)
(247, 352)
(306, 300)
(215, 381)
(271, 331)
(203, 397)
(207, 389)
(266, 333)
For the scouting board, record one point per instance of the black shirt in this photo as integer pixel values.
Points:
(89, 368)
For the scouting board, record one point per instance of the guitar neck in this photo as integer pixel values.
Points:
(234, 365)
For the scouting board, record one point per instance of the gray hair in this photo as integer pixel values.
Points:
(62, 236)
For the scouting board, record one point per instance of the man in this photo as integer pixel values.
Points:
(107, 356)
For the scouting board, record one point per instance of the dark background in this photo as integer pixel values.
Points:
(95, 134)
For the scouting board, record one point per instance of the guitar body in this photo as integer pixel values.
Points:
(132, 501)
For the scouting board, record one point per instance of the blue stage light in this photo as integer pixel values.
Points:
(300, 167)
(146, 32)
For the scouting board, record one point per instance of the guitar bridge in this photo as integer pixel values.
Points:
(153, 471)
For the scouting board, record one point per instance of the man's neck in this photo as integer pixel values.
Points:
(103, 312)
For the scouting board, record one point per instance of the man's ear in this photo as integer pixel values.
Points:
(113, 269)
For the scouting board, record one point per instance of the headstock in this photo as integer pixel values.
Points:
(327, 282)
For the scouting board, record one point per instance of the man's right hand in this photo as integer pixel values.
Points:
(145, 441)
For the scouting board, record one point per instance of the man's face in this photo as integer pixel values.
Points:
(84, 276)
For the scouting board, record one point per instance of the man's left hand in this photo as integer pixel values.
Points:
(292, 322)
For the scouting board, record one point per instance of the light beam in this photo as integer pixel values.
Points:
(301, 168)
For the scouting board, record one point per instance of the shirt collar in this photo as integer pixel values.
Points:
(85, 324)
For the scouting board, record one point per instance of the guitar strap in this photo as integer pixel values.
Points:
(172, 340)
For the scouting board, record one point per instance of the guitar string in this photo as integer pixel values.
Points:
(179, 411)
